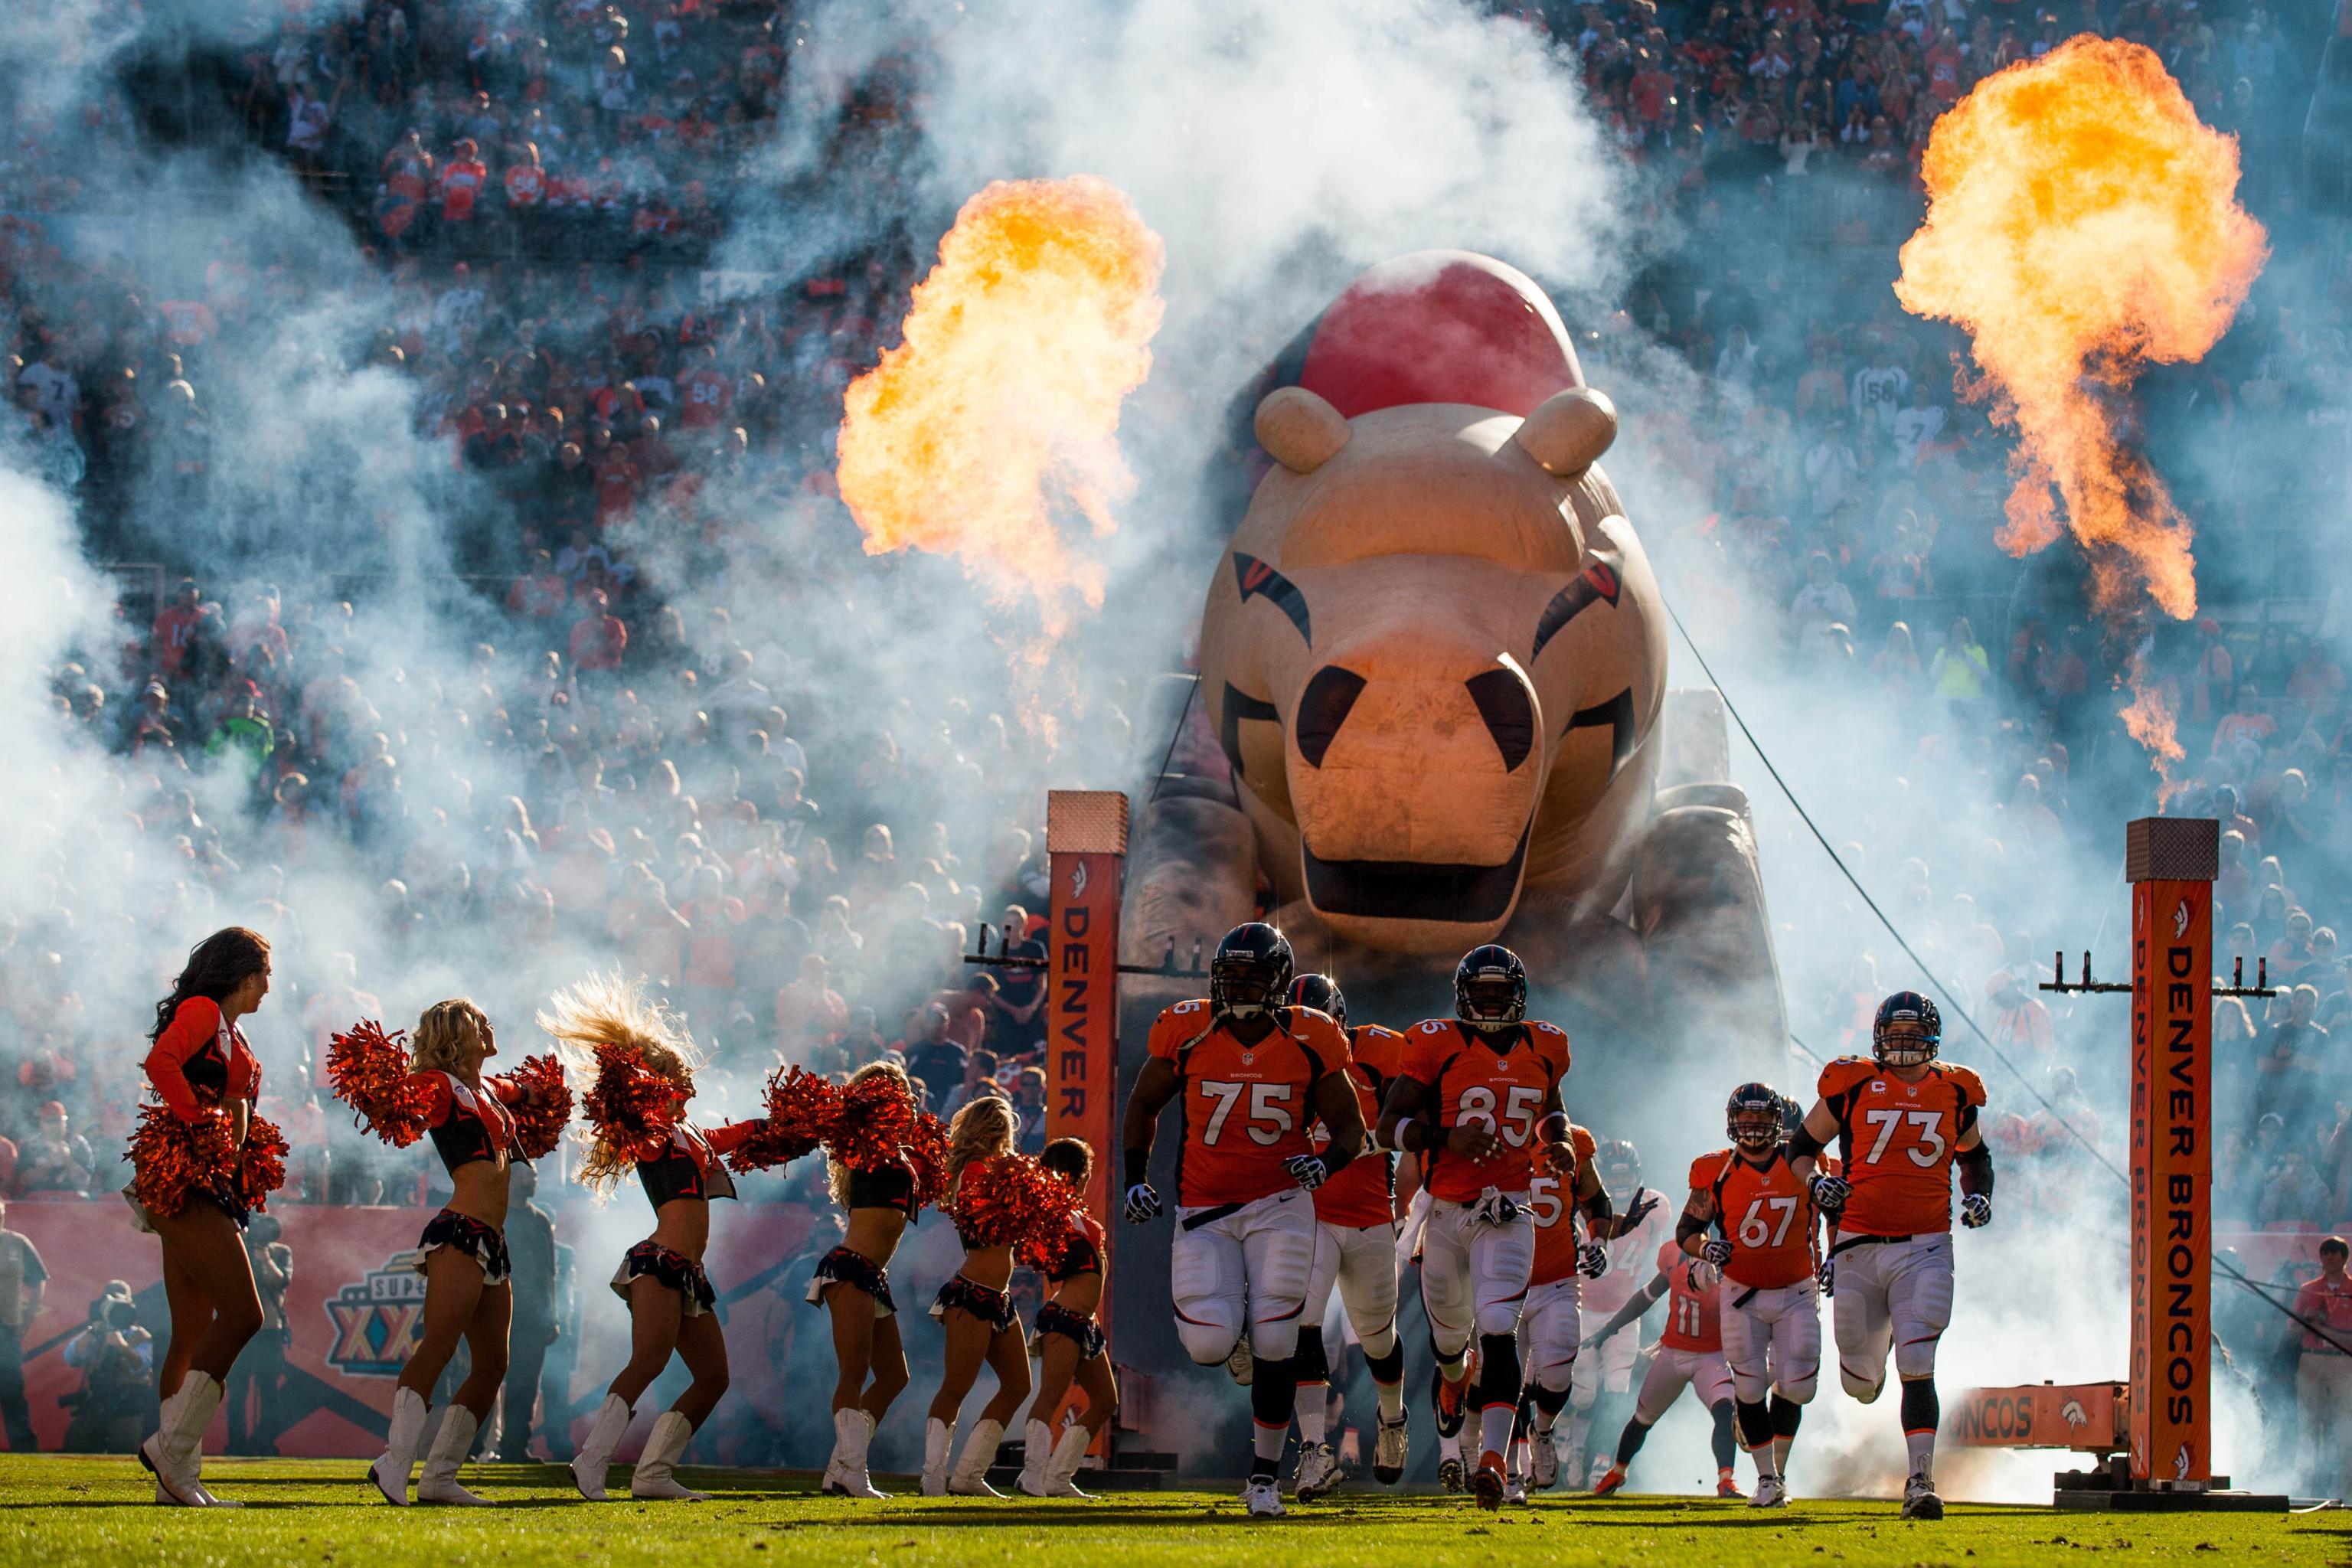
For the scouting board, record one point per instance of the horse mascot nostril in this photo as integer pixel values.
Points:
(1433, 704)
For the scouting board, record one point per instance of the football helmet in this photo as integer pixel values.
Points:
(1490, 988)
(1620, 1164)
(1251, 972)
(1752, 1117)
(1907, 1032)
(1321, 993)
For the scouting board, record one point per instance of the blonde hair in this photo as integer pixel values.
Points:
(444, 1034)
(836, 1175)
(982, 1128)
(606, 1010)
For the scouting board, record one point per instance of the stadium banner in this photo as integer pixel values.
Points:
(1085, 838)
(2083, 1416)
(2170, 863)
(353, 1305)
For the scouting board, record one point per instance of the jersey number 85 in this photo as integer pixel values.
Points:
(1517, 1123)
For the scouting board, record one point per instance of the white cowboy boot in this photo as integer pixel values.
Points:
(438, 1481)
(970, 1478)
(595, 1455)
(654, 1476)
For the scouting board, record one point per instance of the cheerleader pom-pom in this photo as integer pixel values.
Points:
(368, 1071)
(263, 1167)
(1011, 1201)
(542, 1107)
(876, 1123)
(803, 1111)
(925, 1155)
(172, 1159)
(628, 1105)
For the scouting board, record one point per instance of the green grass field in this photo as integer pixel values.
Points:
(96, 1511)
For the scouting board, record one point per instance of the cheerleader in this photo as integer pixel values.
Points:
(207, 1078)
(463, 1252)
(1070, 1345)
(977, 1312)
(852, 1283)
(661, 1278)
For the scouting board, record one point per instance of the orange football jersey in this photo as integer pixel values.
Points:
(1898, 1139)
(1691, 1320)
(1470, 1081)
(1552, 1194)
(1247, 1107)
(1765, 1214)
(1365, 1193)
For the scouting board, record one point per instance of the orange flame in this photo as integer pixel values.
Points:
(2081, 223)
(2151, 717)
(997, 417)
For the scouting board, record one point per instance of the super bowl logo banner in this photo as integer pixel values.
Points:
(378, 1319)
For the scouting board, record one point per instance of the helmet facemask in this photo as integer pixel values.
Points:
(1904, 1043)
(1247, 986)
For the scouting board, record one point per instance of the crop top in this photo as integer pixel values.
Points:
(201, 1062)
(467, 1127)
(691, 1167)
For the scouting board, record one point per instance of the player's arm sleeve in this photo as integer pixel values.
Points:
(1644, 1300)
(1155, 1086)
(194, 1027)
(1813, 1134)
(1975, 1164)
(1336, 1104)
(1692, 1225)
(1400, 1105)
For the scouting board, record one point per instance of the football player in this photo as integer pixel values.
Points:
(1251, 1074)
(1689, 1354)
(1904, 1122)
(1763, 1238)
(1602, 1381)
(1574, 1216)
(1355, 1250)
(1492, 1078)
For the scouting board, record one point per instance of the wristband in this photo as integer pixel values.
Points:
(1138, 1166)
(1553, 1128)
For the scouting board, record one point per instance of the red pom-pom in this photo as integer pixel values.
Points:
(1008, 1201)
(368, 1071)
(262, 1170)
(542, 1107)
(875, 1124)
(803, 1111)
(172, 1160)
(926, 1156)
(628, 1105)
(1044, 1250)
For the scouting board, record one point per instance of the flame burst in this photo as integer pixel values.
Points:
(997, 417)
(2081, 223)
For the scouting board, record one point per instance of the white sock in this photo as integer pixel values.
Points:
(1781, 1455)
(1494, 1428)
(1391, 1401)
(1922, 1446)
(1314, 1411)
(1266, 1442)
(1768, 1464)
(1449, 1447)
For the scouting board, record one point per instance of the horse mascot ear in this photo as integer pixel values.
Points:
(1298, 429)
(1567, 433)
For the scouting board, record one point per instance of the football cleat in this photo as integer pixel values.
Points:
(1488, 1483)
(1515, 1491)
(1262, 1497)
(1450, 1476)
(1771, 1491)
(1611, 1483)
(1318, 1473)
(1452, 1400)
(1242, 1363)
(1727, 1486)
(1390, 1451)
(1919, 1499)
(1543, 1462)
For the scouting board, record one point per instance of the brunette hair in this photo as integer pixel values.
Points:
(216, 967)
(1071, 1159)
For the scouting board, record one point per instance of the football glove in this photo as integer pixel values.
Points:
(1497, 1208)
(1829, 1193)
(1826, 1277)
(1976, 1211)
(1716, 1251)
(1142, 1203)
(1307, 1169)
(1592, 1261)
(1645, 1200)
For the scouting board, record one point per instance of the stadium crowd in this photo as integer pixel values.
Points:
(619, 770)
